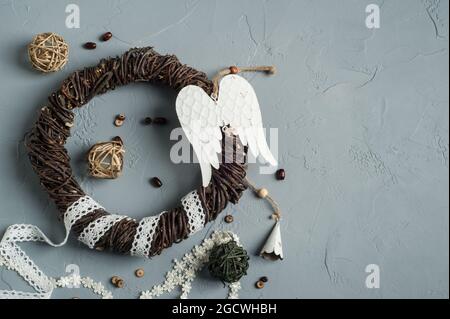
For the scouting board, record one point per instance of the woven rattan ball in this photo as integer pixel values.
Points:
(106, 159)
(228, 262)
(48, 52)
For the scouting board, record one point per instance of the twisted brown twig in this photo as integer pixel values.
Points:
(50, 160)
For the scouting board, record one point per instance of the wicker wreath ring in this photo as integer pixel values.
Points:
(93, 225)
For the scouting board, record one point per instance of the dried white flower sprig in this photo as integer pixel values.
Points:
(185, 270)
(76, 281)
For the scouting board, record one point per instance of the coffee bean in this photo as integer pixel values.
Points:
(148, 120)
(117, 139)
(90, 45)
(156, 182)
(280, 174)
(264, 279)
(106, 36)
(160, 120)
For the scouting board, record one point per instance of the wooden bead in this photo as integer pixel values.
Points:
(120, 283)
(259, 284)
(114, 280)
(263, 192)
(234, 69)
(229, 219)
(139, 272)
(119, 120)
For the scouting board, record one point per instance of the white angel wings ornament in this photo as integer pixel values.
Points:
(202, 117)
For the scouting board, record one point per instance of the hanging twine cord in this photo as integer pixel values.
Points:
(270, 70)
(48, 52)
(264, 193)
(106, 159)
(50, 160)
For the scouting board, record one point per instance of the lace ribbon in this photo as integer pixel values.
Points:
(194, 210)
(96, 229)
(144, 236)
(14, 258)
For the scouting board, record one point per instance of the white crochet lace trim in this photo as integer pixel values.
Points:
(14, 258)
(92, 233)
(18, 261)
(194, 210)
(83, 206)
(144, 236)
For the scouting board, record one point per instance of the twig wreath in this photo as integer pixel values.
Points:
(93, 225)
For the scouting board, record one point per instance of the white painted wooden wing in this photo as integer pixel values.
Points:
(202, 118)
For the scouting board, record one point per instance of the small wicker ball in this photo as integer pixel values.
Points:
(48, 52)
(106, 159)
(228, 262)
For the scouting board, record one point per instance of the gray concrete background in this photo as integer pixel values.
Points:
(362, 117)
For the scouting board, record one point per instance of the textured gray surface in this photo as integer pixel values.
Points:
(363, 134)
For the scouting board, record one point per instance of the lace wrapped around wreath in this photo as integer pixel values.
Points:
(196, 214)
(144, 236)
(94, 225)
